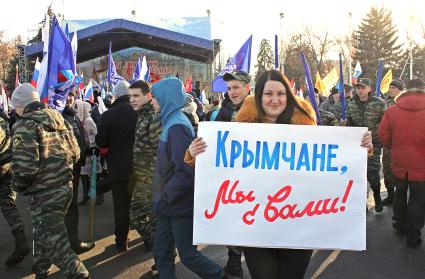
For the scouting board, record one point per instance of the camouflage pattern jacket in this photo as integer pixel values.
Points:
(44, 151)
(148, 130)
(366, 114)
(327, 118)
(5, 146)
(332, 106)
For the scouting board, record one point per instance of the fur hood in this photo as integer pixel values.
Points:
(248, 112)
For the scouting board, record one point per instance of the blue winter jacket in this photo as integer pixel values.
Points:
(173, 183)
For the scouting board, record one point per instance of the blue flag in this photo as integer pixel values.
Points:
(341, 89)
(241, 61)
(112, 76)
(379, 78)
(276, 52)
(310, 87)
(136, 74)
(61, 68)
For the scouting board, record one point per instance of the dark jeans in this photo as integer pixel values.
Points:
(265, 263)
(178, 231)
(121, 197)
(72, 216)
(409, 215)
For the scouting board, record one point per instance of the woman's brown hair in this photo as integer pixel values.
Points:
(291, 103)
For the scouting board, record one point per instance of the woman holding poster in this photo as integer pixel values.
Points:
(273, 102)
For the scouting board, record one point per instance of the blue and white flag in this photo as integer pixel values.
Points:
(136, 74)
(61, 68)
(74, 46)
(203, 97)
(357, 70)
(88, 96)
(145, 71)
(241, 61)
(112, 76)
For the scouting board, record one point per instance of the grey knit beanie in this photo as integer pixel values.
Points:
(24, 94)
(121, 89)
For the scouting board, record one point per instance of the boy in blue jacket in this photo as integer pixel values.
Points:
(173, 187)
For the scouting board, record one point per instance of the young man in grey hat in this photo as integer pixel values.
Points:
(43, 154)
(8, 195)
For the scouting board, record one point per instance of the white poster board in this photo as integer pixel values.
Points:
(288, 186)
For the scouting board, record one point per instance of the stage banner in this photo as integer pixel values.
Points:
(286, 186)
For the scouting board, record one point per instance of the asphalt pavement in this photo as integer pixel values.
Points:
(386, 257)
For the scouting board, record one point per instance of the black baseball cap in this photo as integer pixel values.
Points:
(364, 82)
(237, 75)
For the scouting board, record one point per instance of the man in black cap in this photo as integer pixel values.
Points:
(366, 110)
(238, 88)
(396, 86)
(402, 131)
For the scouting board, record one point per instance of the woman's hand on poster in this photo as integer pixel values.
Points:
(196, 147)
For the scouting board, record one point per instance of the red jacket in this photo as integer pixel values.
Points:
(402, 130)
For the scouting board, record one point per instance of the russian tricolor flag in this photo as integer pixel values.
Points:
(36, 73)
(89, 92)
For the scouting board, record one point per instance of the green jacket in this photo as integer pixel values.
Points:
(148, 130)
(367, 114)
(44, 151)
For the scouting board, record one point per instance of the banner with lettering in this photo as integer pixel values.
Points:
(287, 186)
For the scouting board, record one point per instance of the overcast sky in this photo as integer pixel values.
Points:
(233, 21)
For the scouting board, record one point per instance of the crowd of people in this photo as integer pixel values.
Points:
(146, 144)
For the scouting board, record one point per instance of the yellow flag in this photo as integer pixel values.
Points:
(319, 85)
(385, 83)
(330, 80)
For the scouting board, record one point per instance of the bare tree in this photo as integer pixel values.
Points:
(316, 47)
(319, 45)
(7, 51)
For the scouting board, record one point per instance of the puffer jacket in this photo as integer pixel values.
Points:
(402, 130)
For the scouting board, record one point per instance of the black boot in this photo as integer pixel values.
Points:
(390, 198)
(378, 202)
(234, 264)
(22, 248)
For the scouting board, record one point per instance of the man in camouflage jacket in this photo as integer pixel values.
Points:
(396, 86)
(148, 130)
(43, 154)
(332, 104)
(366, 110)
(8, 196)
